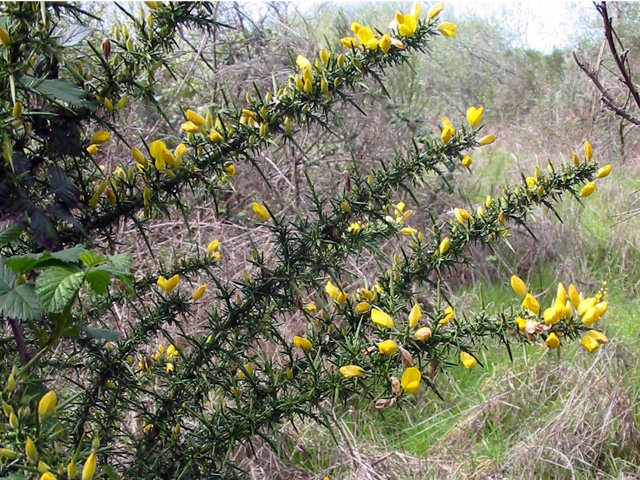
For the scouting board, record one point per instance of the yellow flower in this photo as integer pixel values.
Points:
(461, 215)
(260, 211)
(195, 118)
(72, 470)
(474, 116)
(170, 284)
(590, 316)
(311, 308)
(213, 246)
(4, 37)
(8, 453)
(302, 343)
(89, 467)
(100, 137)
(161, 154)
(561, 295)
(189, 127)
(17, 110)
(30, 448)
(447, 130)
(180, 151)
(407, 27)
(518, 285)
(467, 161)
(408, 231)
(448, 29)
(324, 56)
(415, 315)
(381, 319)
(416, 11)
(138, 156)
(108, 105)
(363, 307)
(521, 322)
(411, 380)
(367, 38)
(48, 476)
(352, 371)
(303, 62)
(588, 189)
(172, 351)
(215, 136)
(448, 315)
(553, 314)
(601, 308)
(586, 304)
(92, 149)
(531, 183)
(590, 343)
(230, 170)
(388, 347)
(603, 171)
(350, 42)
(487, 139)
(574, 296)
(588, 150)
(199, 292)
(597, 336)
(47, 403)
(334, 292)
(385, 43)
(435, 10)
(530, 303)
(552, 340)
(444, 245)
(468, 360)
(422, 334)
(355, 227)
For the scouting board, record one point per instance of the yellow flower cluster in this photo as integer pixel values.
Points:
(602, 172)
(568, 305)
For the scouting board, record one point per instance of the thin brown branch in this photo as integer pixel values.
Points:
(609, 33)
(605, 97)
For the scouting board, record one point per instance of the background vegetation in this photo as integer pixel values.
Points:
(540, 414)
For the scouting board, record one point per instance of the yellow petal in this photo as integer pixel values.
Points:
(530, 303)
(468, 360)
(199, 292)
(552, 340)
(352, 371)
(100, 137)
(422, 334)
(590, 343)
(518, 285)
(47, 403)
(385, 43)
(381, 319)
(474, 116)
(195, 118)
(415, 315)
(588, 150)
(302, 343)
(588, 189)
(603, 171)
(410, 381)
(260, 211)
(387, 347)
(487, 139)
(448, 29)
(435, 10)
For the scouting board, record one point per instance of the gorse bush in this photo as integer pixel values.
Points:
(148, 398)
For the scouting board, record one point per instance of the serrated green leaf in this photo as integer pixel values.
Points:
(10, 234)
(122, 261)
(101, 334)
(98, 279)
(21, 302)
(57, 286)
(91, 259)
(69, 255)
(23, 263)
(7, 278)
(55, 89)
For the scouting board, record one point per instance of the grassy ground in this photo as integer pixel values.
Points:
(544, 414)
